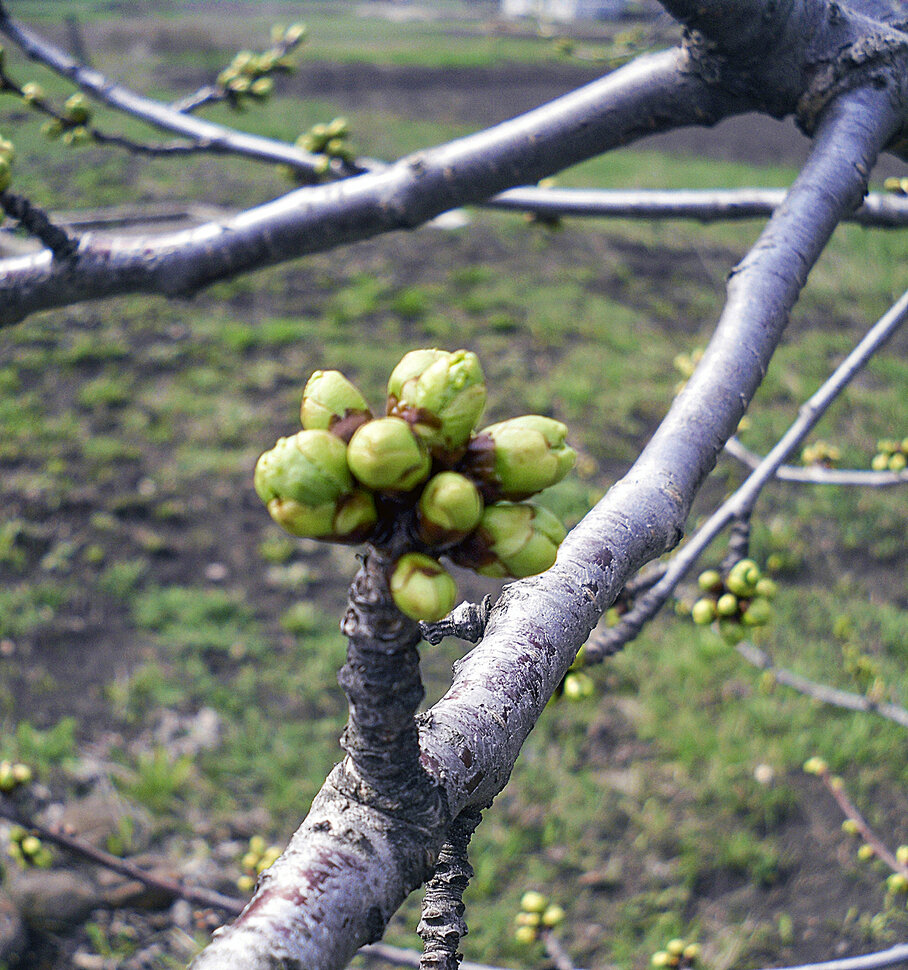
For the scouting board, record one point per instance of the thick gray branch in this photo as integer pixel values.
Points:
(345, 871)
(652, 94)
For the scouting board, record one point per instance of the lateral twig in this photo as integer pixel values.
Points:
(741, 503)
(37, 223)
(821, 692)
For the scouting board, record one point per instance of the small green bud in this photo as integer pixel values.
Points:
(553, 915)
(727, 605)
(897, 883)
(897, 462)
(6, 174)
(295, 33)
(239, 85)
(52, 129)
(766, 587)
(441, 395)
(528, 454)
(758, 612)
(250, 860)
(22, 774)
(850, 827)
(332, 403)
(261, 87)
(226, 76)
(245, 883)
(310, 468)
(710, 581)
(533, 901)
(888, 446)
(880, 462)
(257, 845)
(79, 135)
(450, 507)
(675, 947)
(525, 935)
(513, 539)
(662, 958)
(901, 855)
(731, 631)
(7, 781)
(385, 454)
(577, 686)
(866, 852)
(422, 588)
(338, 128)
(32, 92)
(524, 918)
(743, 577)
(691, 952)
(31, 845)
(703, 612)
(816, 766)
(76, 108)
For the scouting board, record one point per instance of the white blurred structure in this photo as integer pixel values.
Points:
(564, 11)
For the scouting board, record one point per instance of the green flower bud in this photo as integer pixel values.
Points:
(79, 135)
(525, 935)
(743, 577)
(710, 581)
(553, 914)
(309, 468)
(338, 128)
(7, 781)
(897, 462)
(901, 855)
(766, 587)
(385, 454)
(31, 845)
(441, 395)
(261, 87)
(758, 612)
(880, 462)
(226, 76)
(422, 588)
(513, 539)
(76, 108)
(332, 403)
(6, 174)
(727, 604)
(675, 947)
(577, 686)
(239, 85)
(703, 612)
(528, 454)
(32, 92)
(533, 902)
(897, 883)
(450, 507)
(731, 631)
(295, 33)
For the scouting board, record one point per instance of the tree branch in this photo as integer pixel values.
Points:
(346, 869)
(741, 503)
(860, 477)
(654, 93)
(206, 134)
(881, 210)
(821, 692)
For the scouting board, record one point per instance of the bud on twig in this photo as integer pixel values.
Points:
(450, 507)
(332, 403)
(513, 539)
(386, 454)
(422, 588)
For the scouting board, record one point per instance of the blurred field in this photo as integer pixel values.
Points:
(142, 579)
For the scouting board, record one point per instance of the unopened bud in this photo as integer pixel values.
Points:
(422, 588)
(703, 612)
(533, 901)
(441, 395)
(528, 454)
(727, 605)
(450, 507)
(710, 581)
(743, 577)
(310, 468)
(332, 403)
(32, 92)
(578, 686)
(513, 539)
(758, 612)
(6, 174)
(76, 108)
(385, 454)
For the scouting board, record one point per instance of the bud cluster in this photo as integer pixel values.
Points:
(677, 953)
(536, 916)
(328, 141)
(351, 477)
(891, 455)
(27, 849)
(257, 858)
(738, 601)
(7, 154)
(13, 774)
(821, 453)
(897, 184)
(248, 75)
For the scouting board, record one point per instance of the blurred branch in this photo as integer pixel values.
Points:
(817, 475)
(821, 692)
(881, 210)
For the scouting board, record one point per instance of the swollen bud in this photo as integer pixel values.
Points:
(703, 612)
(385, 454)
(6, 173)
(528, 454)
(332, 403)
(512, 540)
(450, 507)
(758, 613)
(441, 395)
(76, 108)
(422, 588)
(743, 577)
(710, 581)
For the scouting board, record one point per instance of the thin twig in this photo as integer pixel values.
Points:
(38, 224)
(882, 210)
(555, 949)
(822, 692)
(741, 503)
(77, 846)
(817, 475)
(836, 788)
